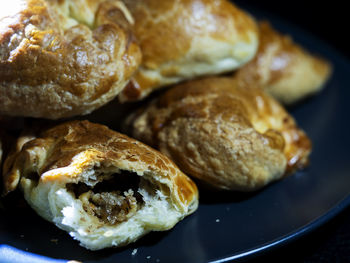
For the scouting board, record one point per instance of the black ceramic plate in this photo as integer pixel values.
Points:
(228, 226)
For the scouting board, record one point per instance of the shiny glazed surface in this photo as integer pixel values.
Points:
(236, 225)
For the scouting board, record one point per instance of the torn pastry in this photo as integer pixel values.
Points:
(284, 69)
(63, 58)
(184, 39)
(102, 187)
(229, 136)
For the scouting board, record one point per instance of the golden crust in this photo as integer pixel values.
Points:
(50, 165)
(283, 68)
(182, 39)
(57, 147)
(229, 136)
(63, 58)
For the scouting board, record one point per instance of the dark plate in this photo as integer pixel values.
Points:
(228, 226)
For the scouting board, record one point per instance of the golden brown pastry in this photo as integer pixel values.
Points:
(230, 136)
(60, 58)
(102, 187)
(183, 39)
(283, 68)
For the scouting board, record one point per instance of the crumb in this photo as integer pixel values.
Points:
(22, 236)
(157, 260)
(228, 208)
(133, 253)
(26, 249)
(148, 257)
(217, 220)
(53, 240)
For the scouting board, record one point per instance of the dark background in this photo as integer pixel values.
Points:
(329, 21)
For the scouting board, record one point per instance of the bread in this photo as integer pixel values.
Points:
(102, 187)
(229, 136)
(61, 58)
(184, 39)
(284, 69)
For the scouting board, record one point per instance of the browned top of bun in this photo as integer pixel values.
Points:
(182, 39)
(63, 58)
(230, 136)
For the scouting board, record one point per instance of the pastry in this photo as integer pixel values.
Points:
(284, 69)
(229, 136)
(61, 58)
(184, 39)
(102, 187)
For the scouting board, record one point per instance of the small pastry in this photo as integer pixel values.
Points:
(63, 58)
(102, 187)
(184, 39)
(229, 136)
(284, 69)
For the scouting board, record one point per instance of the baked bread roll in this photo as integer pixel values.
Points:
(283, 68)
(60, 58)
(183, 39)
(102, 187)
(229, 136)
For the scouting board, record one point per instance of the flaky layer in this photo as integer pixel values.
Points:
(230, 136)
(103, 187)
(63, 58)
(183, 39)
(283, 68)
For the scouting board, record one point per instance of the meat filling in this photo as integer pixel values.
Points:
(114, 200)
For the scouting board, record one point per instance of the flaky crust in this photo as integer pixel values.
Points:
(284, 69)
(60, 58)
(73, 153)
(231, 137)
(183, 39)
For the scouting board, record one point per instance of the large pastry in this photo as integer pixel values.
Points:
(61, 58)
(284, 69)
(229, 136)
(102, 187)
(184, 39)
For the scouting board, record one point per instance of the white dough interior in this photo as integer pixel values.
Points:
(56, 203)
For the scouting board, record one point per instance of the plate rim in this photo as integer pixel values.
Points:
(332, 212)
